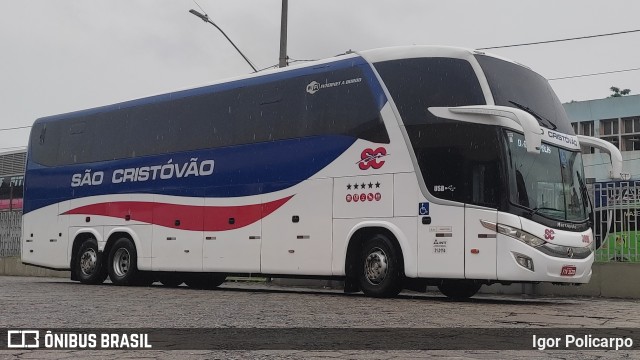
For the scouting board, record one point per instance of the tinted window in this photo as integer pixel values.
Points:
(417, 84)
(459, 161)
(277, 110)
(514, 85)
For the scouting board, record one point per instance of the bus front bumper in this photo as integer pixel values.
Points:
(520, 262)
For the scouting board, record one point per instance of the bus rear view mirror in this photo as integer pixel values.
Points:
(609, 148)
(496, 115)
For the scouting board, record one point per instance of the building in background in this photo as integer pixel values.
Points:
(615, 119)
(11, 179)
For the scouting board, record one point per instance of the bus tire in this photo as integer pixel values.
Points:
(88, 265)
(204, 281)
(380, 270)
(459, 289)
(123, 264)
(170, 280)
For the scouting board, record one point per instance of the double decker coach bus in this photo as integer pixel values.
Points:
(389, 169)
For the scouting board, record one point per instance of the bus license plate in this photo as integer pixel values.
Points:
(568, 270)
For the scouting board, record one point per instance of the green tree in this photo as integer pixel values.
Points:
(618, 93)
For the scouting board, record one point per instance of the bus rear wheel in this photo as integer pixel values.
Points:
(381, 271)
(123, 264)
(204, 281)
(459, 289)
(88, 265)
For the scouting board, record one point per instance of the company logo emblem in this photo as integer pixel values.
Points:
(549, 234)
(21, 339)
(370, 158)
(313, 87)
(570, 252)
(566, 225)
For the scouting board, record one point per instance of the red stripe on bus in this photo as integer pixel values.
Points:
(185, 217)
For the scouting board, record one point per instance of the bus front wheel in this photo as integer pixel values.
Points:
(459, 289)
(123, 264)
(88, 264)
(380, 273)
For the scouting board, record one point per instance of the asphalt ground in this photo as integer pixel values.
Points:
(53, 303)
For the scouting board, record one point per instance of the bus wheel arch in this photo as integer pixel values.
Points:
(374, 262)
(87, 263)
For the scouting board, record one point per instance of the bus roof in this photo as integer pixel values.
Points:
(340, 61)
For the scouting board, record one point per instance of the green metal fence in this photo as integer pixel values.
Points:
(617, 220)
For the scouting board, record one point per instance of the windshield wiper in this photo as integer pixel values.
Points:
(537, 210)
(535, 114)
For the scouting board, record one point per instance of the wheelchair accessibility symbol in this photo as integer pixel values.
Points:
(423, 209)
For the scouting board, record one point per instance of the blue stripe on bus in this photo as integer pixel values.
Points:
(374, 85)
(242, 170)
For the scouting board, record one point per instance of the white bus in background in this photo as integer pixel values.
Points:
(388, 169)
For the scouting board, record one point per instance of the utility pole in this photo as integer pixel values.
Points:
(283, 34)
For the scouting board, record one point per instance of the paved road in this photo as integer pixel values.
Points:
(56, 303)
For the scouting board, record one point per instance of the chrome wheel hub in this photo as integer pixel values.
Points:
(121, 262)
(376, 266)
(88, 262)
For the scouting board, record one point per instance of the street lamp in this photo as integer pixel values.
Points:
(205, 18)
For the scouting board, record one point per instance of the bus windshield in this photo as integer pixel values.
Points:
(549, 184)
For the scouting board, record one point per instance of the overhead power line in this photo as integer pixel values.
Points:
(15, 128)
(593, 74)
(559, 40)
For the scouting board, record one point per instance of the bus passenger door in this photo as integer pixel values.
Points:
(480, 244)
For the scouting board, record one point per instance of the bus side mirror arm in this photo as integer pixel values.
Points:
(609, 148)
(492, 115)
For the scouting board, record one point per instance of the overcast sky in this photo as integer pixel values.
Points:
(66, 55)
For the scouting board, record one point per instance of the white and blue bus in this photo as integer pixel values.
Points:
(388, 169)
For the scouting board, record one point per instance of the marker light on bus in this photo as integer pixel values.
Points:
(517, 234)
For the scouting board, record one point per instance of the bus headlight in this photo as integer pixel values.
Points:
(518, 234)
